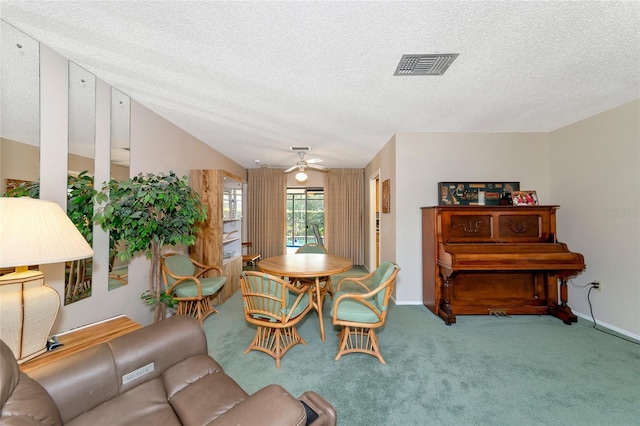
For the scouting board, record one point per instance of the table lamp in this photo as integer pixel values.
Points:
(32, 232)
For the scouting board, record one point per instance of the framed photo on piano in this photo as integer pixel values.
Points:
(524, 198)
(467, 193)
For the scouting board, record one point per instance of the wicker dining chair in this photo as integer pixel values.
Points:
(360, 310)
(275, 306)
(184, 279)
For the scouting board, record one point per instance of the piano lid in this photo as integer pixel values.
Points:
(509, 256)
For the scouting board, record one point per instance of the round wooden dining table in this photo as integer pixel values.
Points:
(307, 265)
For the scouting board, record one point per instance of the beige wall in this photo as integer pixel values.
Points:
(79, 164)
(158, 145)
(383, 165)
(424, 159)
(595, 177)
(27, 168)
(590, 168)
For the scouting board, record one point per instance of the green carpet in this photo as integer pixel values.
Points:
(484, 370)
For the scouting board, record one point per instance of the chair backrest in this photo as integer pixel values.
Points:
(312, 248)
(316, 232)
(246, 246)
(264, 296)
(385, 272)
(178, 264)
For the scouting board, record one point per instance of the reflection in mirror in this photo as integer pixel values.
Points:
(82, 130)
(20, 112)
(120, 141)
(19, 115)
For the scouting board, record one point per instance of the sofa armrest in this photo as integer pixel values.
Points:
(326, 413)
(270, 406)
(29, 404)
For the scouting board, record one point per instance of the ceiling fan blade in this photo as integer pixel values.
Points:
(290, 169)
(318, 167)
(314, 160)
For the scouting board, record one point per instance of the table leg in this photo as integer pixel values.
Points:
(319, 307)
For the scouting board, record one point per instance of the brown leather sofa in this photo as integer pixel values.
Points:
(158, 375)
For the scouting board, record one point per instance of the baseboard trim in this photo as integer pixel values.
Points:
(608, 326)
(579, 314)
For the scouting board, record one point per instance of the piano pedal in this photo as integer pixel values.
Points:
(499, 313)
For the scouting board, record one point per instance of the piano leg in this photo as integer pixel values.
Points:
(563, 311)
(445, 311)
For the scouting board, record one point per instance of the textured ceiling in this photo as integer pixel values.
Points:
(253, 78)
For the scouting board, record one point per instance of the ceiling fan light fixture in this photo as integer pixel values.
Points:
(301, 177)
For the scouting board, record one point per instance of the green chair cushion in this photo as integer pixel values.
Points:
(382, 274)
(210, 286)
(180, 265)
(304, 302)
(350, 310)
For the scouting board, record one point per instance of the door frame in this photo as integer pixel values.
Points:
(374, 191)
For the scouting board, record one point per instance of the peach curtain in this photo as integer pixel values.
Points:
(344, 213)
(266, 215)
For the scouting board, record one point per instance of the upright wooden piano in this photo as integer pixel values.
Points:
(497, 260)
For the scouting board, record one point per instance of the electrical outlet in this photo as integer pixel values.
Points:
(597, 285)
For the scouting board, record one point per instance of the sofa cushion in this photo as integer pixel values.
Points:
(188, 371)
(144, 405)
(207, 398)
(148, 352)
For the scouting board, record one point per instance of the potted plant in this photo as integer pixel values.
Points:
(148, 212)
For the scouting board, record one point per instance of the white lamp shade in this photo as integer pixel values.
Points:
(301, 177)
(34, 232)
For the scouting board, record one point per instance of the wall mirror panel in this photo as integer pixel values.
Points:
(81, 169)
(120, 143)
(20, 111)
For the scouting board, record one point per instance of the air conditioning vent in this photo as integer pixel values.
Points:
(300, 148)
(435, 64)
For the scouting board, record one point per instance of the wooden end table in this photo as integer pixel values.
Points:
(82, 338)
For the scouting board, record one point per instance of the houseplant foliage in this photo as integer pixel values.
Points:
(148, 212)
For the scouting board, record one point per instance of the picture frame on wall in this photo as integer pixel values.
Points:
(386, 196)
(11, 184)
(524, 198)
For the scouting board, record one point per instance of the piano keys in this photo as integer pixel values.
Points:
(495, 260)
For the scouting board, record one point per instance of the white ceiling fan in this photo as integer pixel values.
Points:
(311, 163)
(301, 165)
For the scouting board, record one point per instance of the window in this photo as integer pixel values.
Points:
(305, 208)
